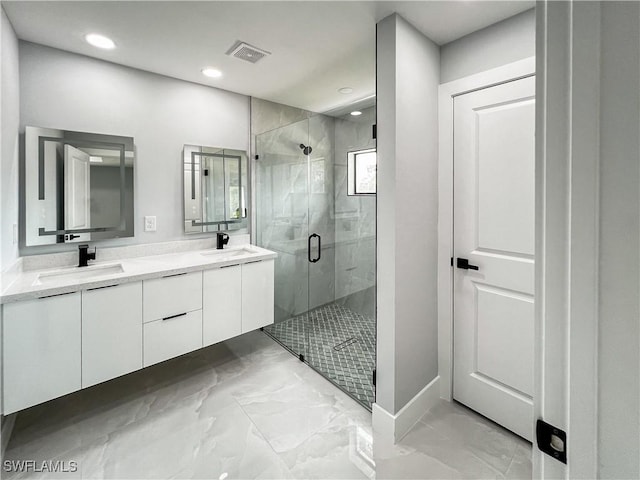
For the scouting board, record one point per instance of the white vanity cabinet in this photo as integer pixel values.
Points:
(172, 316)
(221, 304)
(41, 350)
(59, 344)
(257, 294)
(111, 332)
(236, 299)
(172, 295)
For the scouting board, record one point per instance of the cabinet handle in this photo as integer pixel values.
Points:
(254, 261)
(174, 275)
(174, 316)
(106, 286)
(57, 295)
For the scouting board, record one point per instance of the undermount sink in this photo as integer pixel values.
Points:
(230, 253)
(78, 273)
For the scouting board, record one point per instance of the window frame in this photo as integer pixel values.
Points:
(352, 178)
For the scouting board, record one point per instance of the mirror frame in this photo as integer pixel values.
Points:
(35, 181)
(189, 154)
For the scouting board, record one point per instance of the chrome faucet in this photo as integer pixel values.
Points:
(85, 256)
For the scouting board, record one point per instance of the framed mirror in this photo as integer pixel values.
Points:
(215, 189)
(78, 186)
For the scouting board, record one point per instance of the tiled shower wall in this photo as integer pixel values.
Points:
(355, 219)
(267, 116)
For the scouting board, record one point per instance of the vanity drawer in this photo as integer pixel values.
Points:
(171, 295)
(172, 336)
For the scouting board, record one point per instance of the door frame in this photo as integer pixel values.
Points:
(447, 92)
(576, 93)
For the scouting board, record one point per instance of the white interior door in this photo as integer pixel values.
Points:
(494, 207)
(77, 185)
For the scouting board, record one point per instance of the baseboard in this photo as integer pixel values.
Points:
(382, 422)
(7, 427)
(397, 426)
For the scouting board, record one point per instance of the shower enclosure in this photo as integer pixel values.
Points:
(324, 234)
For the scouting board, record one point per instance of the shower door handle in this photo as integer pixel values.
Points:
(314, 260)
(319, 248)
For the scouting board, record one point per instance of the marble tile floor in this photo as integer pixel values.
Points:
(245, 409)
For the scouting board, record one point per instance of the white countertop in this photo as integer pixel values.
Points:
(27, 284)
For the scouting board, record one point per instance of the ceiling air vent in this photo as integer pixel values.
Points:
(247, 52)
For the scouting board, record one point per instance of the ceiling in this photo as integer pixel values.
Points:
(316, 47)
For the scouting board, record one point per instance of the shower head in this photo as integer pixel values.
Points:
(306, 150)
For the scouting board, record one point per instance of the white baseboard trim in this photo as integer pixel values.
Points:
(397, 426)
(7, 428)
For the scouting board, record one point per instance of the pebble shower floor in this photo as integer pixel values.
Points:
(336, 341)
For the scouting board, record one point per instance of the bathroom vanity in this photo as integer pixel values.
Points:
(66, 329)
(69, 328)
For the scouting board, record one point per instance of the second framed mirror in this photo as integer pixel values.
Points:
(215, 189)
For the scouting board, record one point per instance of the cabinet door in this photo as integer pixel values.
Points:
(257, 295)
(41, 345)
(111, 332)
(221, 304)
(172, 295)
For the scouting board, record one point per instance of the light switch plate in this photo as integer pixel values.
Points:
(150, 223)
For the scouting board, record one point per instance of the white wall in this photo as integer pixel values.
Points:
(588, 236)
(619, 313)
(407, 119)
(10, 107)
(68, 91)
(9, 120)
(496, 45)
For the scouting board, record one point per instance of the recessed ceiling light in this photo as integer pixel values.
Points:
(346, 90)
(355, 113)
(100, 41)
(211, 72)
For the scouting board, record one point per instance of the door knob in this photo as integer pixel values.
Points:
(464, 264)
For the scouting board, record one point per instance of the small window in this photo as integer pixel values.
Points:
(361, 172)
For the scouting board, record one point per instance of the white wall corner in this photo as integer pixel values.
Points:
(394, 427)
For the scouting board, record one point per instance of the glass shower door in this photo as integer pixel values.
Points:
(341, 333)
(325, 240)
(283, 226)
(322, 334)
